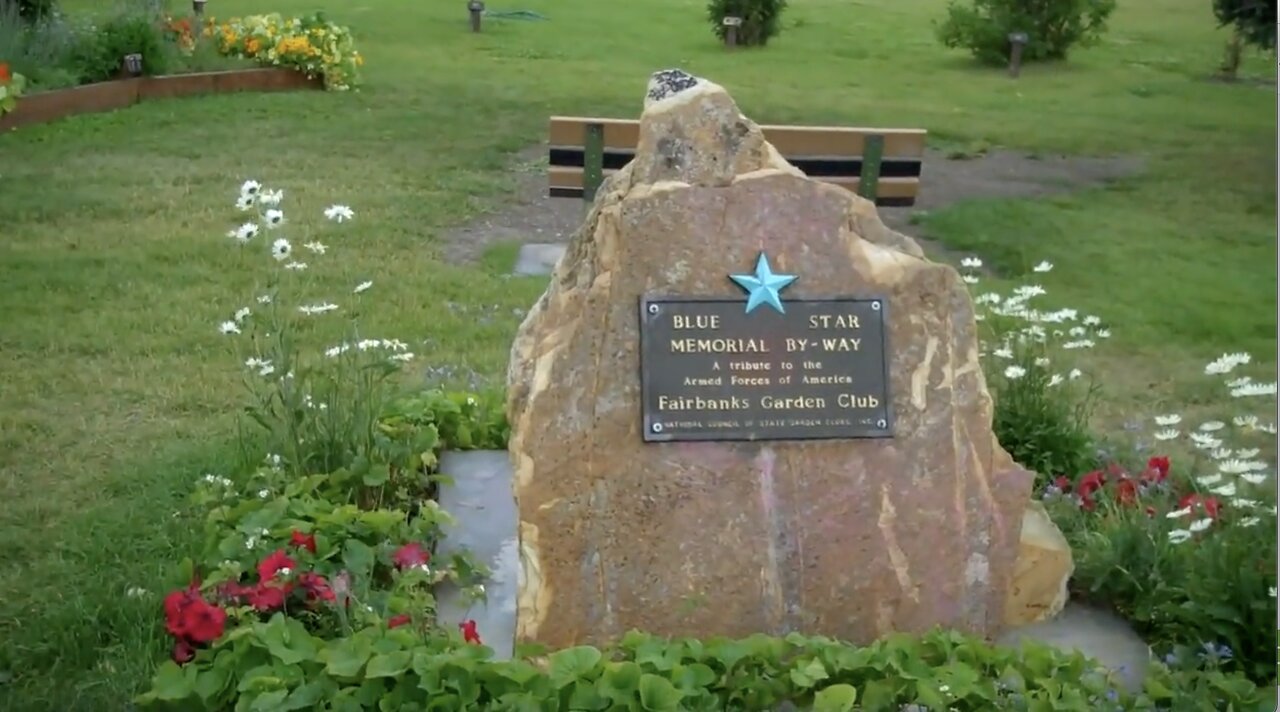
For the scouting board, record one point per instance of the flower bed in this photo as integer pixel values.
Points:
(314, 588)
(311, 44)
(77, 66)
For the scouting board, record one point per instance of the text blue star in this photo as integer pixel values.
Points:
(763, 286)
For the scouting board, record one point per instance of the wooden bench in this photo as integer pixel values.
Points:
(882, 165)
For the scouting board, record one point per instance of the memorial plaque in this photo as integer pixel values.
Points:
(711, 371)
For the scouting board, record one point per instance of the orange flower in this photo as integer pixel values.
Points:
(5, 76)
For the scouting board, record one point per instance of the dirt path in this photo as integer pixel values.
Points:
(531, 216)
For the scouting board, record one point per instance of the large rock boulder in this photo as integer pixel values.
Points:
(848, 538)
(1044, 567)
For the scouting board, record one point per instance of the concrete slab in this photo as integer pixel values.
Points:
(538, 259)
(482, 502)
(1098, 634)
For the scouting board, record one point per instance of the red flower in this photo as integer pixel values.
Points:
(469, 632)
(410, 555)
(397, 621)
(1116, 469)
(1208, 504)
(175, 607)
(1063, 484)
(5, 76)
(303, 541)
(274, 564)
(1127, 491)
(1151, 511)
(266, 597)
(203, 622)
(1090, 483)
(183, 653)
(1157, 469)
(316, 587)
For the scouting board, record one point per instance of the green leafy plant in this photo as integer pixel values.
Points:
(761, 19)
(403, 668)
(1043, 403)
(1053, 27)
(32, 10)
(99, 56)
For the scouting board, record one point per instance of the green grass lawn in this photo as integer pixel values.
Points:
(118, 391)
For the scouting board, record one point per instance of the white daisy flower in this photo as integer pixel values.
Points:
(402, 357)
(1042, 267)
(988, 298)
(1256, 465)
(271, 198)
(363, 286)
(1253, 478)
(264, 299)
(1092, 320)
(255, 362)
(1226, 363)
(1241, 381)
(1103, 333)
(1254, 389)
(1227, 490)
(1234, 467)
(1177, 513)
(338, 213)
(1056, 380)
(1206, 442)
(274, 218)
(241, 314)
(1003, 352)
(244, 203)
(266, 370)
(1015, 372)
(264, 493)
(1167, 420)
(1222, 453)
(1042, 361)
(1209, 480)
(970, 279)
(1177, 536)
(281, 249)
(296, 266)
(229, 327)
(1268, 428)
(1212, 425)
(250, 188)
(1248, 422)
(247, 232)
(971, 262)
(1077, 331)
(1200, 525)
(1247, 453)
(136, 592)
(1081, 344)
(317, 309)
(1029, 291)
(1166, 434)
(1074, 374)
(1244, 503)
(250, 541)
(1250, 522)
(316, 247)
(1272, 592)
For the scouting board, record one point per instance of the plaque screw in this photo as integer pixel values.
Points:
(653, 308)
(657, 427)
(881, 424)
(875, 305)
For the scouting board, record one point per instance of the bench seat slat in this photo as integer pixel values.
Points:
(567, 182)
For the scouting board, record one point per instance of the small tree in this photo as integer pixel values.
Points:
(759, 19)
(1052, 26)
(1253, 22)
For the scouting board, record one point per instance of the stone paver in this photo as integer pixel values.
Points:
(481, 501)
(538, 259)
(1098, 634)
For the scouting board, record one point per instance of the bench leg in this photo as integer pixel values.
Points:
(592, 161)
(872, 155)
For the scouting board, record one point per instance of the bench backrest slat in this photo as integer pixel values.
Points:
(881, 164)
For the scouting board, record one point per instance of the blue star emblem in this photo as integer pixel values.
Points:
(763, 286)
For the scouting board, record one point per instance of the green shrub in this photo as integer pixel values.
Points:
(1053, 27)
(29, 10)
(99, 56)
(1253, 21)
(760, 19)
